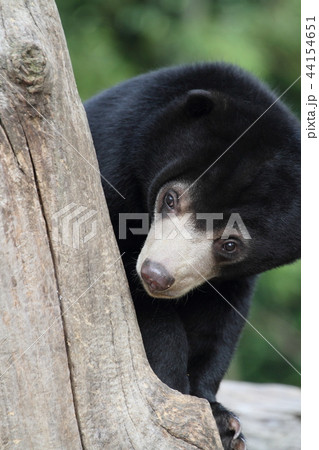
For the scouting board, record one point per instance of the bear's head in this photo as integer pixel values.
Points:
(221, 173)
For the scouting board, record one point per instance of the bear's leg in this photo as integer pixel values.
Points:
(212, 341)
(203, 384)
(165, 342)
(205, 373)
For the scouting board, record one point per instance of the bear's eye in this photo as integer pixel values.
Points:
(169, 200)
(229, 246)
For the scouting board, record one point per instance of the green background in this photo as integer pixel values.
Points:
(112, 40)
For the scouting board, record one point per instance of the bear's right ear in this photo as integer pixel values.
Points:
(199, 102)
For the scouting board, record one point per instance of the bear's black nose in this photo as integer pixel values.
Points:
(156, 276)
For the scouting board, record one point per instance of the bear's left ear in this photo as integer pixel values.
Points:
(199, 102)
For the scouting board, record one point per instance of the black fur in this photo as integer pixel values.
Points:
(151, 130)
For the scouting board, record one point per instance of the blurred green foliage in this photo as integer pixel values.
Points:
(275, 313)
(112, 40)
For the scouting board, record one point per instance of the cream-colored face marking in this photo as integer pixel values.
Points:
(181, 249)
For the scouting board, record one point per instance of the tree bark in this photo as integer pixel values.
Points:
(73, 371)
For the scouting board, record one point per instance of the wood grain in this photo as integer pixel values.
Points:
(73, 368)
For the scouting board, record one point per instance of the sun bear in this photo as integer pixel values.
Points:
(211, 157)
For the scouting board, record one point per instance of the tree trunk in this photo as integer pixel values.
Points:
(73, 372)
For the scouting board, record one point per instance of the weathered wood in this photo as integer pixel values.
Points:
(73, 369)
(269, 413)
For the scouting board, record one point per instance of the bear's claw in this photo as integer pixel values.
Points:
(234, 424)
(229, 428)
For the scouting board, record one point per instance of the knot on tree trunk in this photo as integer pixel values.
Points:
(27, 65)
